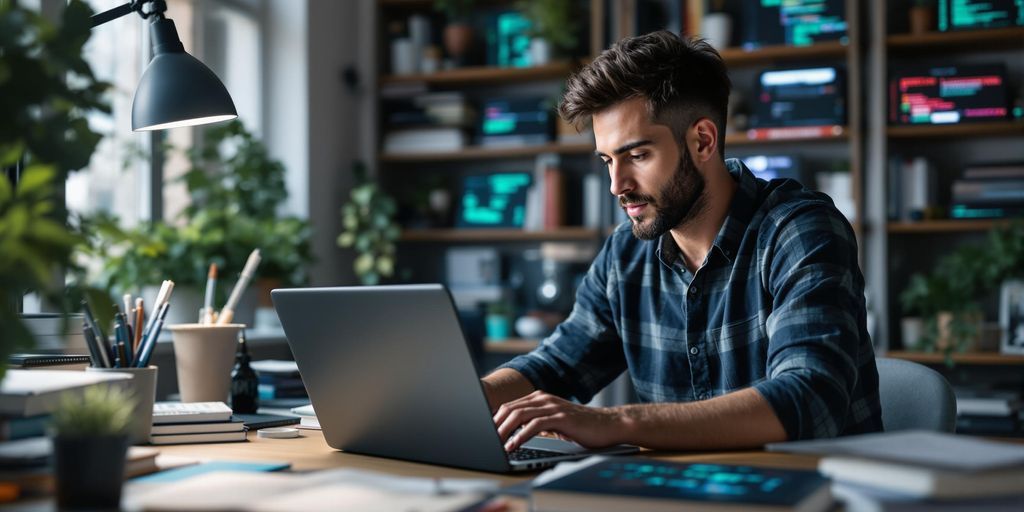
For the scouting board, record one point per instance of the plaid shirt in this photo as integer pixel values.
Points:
(778, 304)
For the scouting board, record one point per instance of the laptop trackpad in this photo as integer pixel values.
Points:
(554, 445)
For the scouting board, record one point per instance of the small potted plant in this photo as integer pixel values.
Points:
(554, 28)
(498, 321)
(458, 33)
(90, 441)
(369, 227)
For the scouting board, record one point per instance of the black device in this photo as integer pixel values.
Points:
(794, 22)
(949, 94)
(493, 200)
(770, 167)
(979, 14)
(516, 121)
(800, 97)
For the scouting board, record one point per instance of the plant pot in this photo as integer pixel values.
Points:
(540, 51)
(922, 19)
(89, 471)
(912, 331)
(946, 339)
(716, 28)
(498, 327)
(458, 39)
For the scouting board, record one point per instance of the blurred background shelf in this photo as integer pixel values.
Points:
(484, 75)
(1007, 128)
(966, 40)
(498, 235)
(770, 54)
(485, 153)
(945, 226)
(974, 358)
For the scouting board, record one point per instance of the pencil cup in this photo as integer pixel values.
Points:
(142, 386)
(204, 355)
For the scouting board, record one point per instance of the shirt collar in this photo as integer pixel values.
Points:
(741, 210)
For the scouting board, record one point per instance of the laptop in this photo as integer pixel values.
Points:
(389, 374)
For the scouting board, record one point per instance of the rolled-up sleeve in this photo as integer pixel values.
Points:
(814, 336)
(584, 353)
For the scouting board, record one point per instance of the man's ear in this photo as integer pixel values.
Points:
(702, 140)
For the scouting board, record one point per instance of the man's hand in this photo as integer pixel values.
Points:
(541, 412)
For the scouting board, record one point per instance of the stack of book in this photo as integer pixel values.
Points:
(279, 380)
(987, 412)
(919, 470)
(432, 122)
(198, 422)
(989, 191)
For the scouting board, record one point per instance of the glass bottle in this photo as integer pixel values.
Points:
(244, 382)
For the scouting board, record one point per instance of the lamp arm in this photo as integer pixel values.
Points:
(158, 8)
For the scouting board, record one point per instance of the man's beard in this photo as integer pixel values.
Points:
(680, 201)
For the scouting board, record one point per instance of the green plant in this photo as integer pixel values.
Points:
(46, 90)
(554, 20)
(102, 410)
(455, 10)
(948, 297)
(369, 227)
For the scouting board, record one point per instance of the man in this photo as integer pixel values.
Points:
(735, 304)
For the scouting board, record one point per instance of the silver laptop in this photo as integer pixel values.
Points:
(389, 374)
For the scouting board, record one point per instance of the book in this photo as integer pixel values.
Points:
(922, 482)
(34, 392)
(183, 473)
(195, 412)
(49, 361)
(14, 428)
(627, 483)
(258, 421)
(207, 437)
(233, 425)
(855, 498)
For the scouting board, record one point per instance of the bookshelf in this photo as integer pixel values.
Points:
(487, 153)
(966, 358)
(499, 235)
(958, 41)
(943, 226)
(767, 55)
(484, 75)
(744, 139)
(997, 128)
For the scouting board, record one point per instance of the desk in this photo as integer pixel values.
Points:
(310, 452)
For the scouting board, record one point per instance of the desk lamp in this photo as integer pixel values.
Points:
(176, 89)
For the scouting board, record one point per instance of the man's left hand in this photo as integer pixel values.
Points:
(538, 412)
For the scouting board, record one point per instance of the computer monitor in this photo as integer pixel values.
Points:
(770, 167)
(800, 97)
(949, 94)
(516, 121)
(493, 200)
(979, 14)
(794, 22)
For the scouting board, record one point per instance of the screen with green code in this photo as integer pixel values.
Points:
(794, 22)
(975, 14)
(496, 200)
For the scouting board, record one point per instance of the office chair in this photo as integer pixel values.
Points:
(914, 396)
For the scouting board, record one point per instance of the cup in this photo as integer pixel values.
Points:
(204, 355)
(142, 387)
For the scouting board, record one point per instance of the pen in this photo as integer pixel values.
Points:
(140, 315)
(118, 342)
(163, 296)
(211, 284)
(146, 347)
(90, 343)
(228, 313)
(127, 299)
(102, 343)
(124, 339)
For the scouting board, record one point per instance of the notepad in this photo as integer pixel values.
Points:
(174, 475)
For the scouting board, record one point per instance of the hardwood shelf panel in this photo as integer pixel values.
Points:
(964, 40)
(768, 54)
(945, 226)
(979, 358)
(510, 346)
(485, 75)
(498, 235)
(743, 139)
(956, 130)
(485, 153)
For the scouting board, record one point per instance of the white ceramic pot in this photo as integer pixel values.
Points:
(716, 28)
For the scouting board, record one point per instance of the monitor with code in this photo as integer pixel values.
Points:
(794, 22)
(979, 14)
(949, 95)
(496, 200)
(799, 97)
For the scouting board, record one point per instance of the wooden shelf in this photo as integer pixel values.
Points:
(742, 139)
(1007, 128)
(498, 235)
(965, 40)
(485, 75)
(767, 54)
(979, 358)
(510, 346)
(944, 226)
(485, 153)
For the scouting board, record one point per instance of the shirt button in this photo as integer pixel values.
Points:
(694, 291)
(702, 396)
(694, 350)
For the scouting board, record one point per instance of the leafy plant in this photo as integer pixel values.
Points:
(553, 20)
(455, 10)
(46, 90)
(948, 297)
(369, 227)
(100, 411)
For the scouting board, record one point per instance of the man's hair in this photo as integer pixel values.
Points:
(681, 79)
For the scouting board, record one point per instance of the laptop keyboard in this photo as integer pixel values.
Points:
(521, 454)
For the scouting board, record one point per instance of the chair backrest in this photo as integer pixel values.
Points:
(914, 396)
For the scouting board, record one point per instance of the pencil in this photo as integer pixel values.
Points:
(140, 315)
(211, 284)
(228, 313)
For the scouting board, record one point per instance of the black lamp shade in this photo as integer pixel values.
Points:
(176, 89)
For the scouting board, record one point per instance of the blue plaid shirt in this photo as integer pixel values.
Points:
(778, 305)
